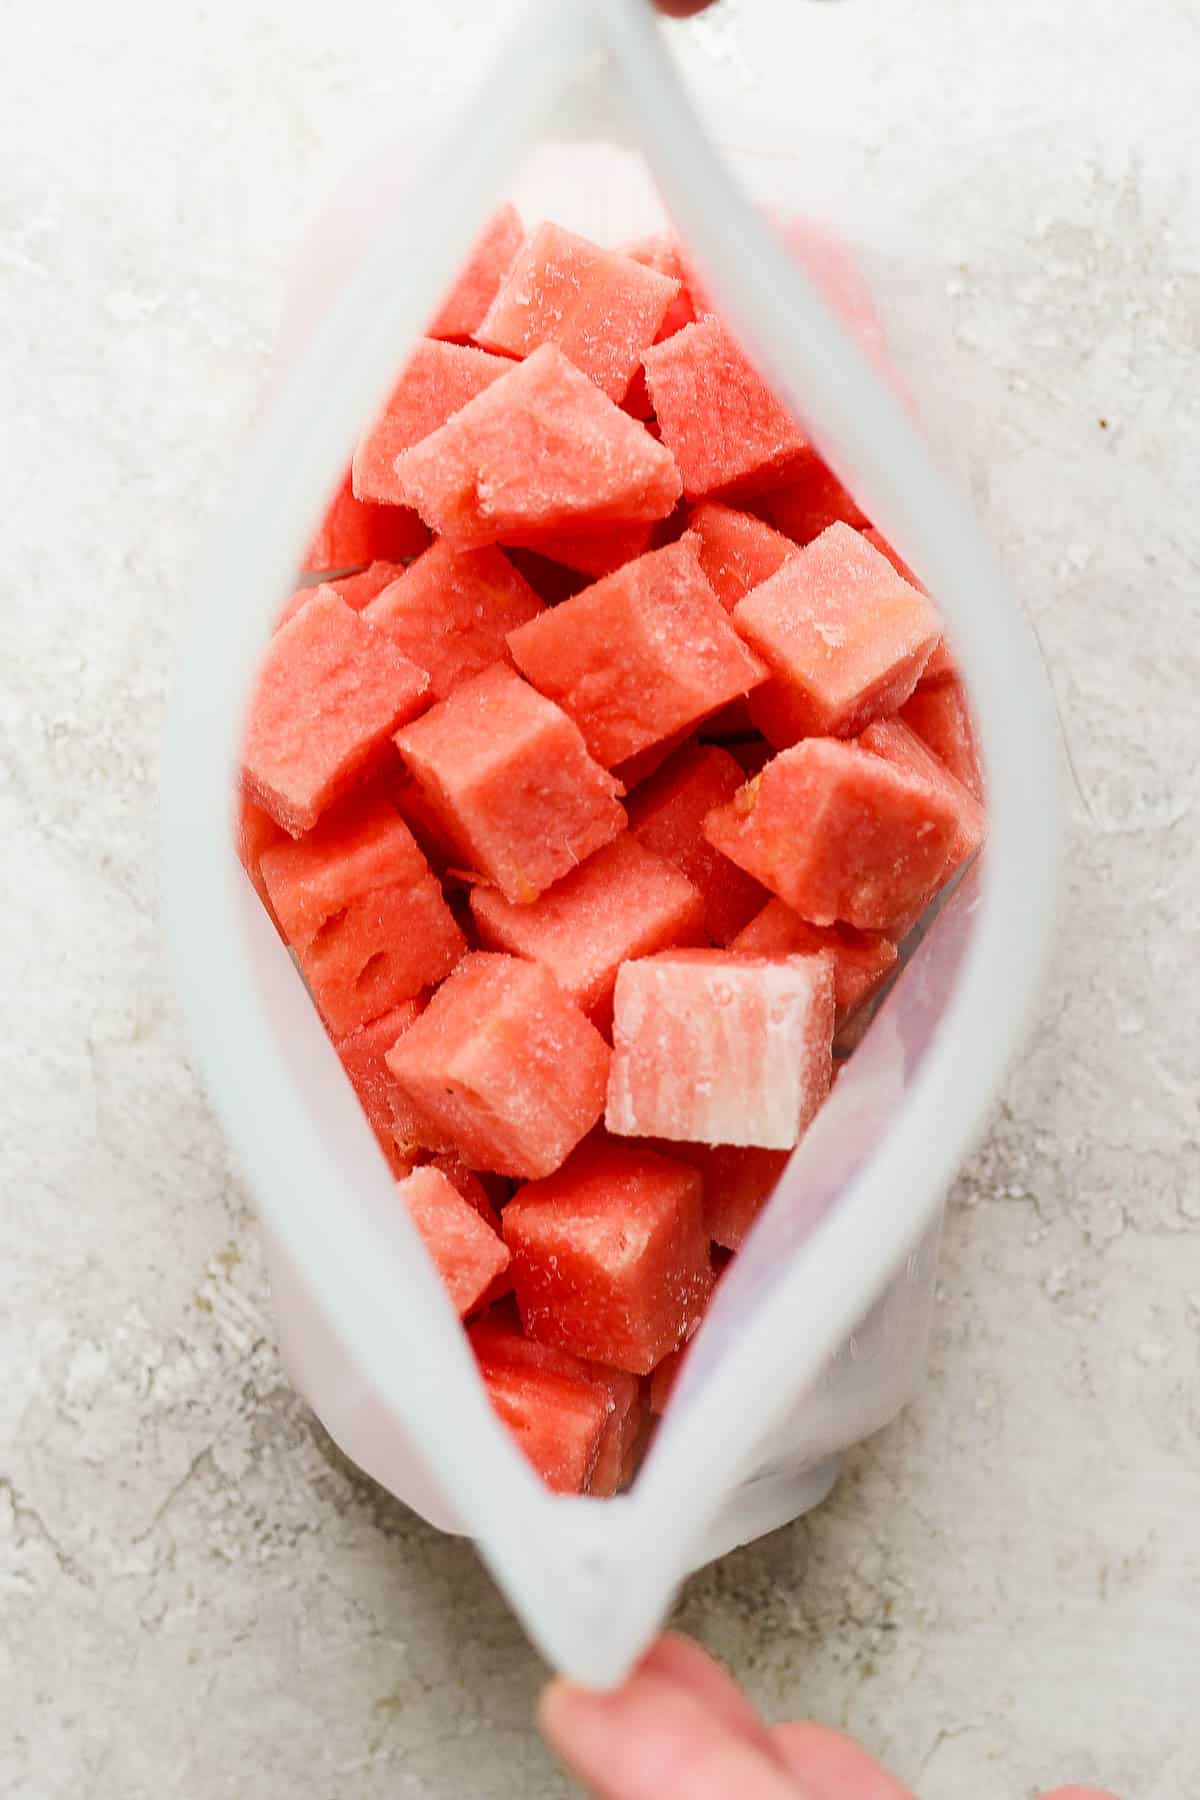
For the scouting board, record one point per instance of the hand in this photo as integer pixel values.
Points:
(680, 1726)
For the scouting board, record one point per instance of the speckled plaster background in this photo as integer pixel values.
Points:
(199, 1597)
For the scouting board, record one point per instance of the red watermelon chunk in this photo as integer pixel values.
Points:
(941, 665)
(362, 1053)
(468, 1183)
(352, 533)
(844, 636)
(898, 744)
(502, 1067)
(557, 1421)
(330, 694)
(610, 1256)
(600, 308)
(358, 903)
(840, 834)
(737, 551)
(812, 502)
(450, 612)
(738, 1182)
(475, 285)
(470, 1258)
(355, 590)
(541, 449)
(667, 816)
(725, 428)
(664, 1378)
(662, 251)
(714, 1048)
(941, 718)
(254, 832)
(594, 552)
(436, 382)
(506, 777)
(861, 959)
(638, 656)
(624, 901)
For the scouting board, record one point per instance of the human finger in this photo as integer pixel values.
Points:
(833, 1767)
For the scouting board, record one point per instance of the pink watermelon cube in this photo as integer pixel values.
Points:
(638, 656)
(355, 590)
(450, 611)
(737, 551)
(557, 1418)
(624, 901)
(600, 308)
(898, 744)
(462, 311)
(715, 1048)
(844, 636)
(610, 1256)
(812, 502)
(330, 694)
(467, 1252)
(897, 561)
(470, 1185)
(861, 959)
(595, 552)
(436, 382)
(839, 833)
(664, 1378)
(502, 1067)
(941, 665)
(941, 718)
(506, 777)
(541, 449)
(661, 251)
(725, 428)
(254, 832)
(362, 1053)
(358, 903)
(352, 534)
(738, 1182)
(667, 816)
(498, 1344)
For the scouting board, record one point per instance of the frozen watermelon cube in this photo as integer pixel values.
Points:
(861, 959)
(624, 901)
(610, 1256)
(461, 312)
(503, 1067)
(254, 832)
(840, 834)
(844, 636)
(811, 502)
(362, 1053)
(557, 1420)
(898, 744)
(600, 308)
(467, 1252)
(435, 383)
(661, 251)
(352, 534)
(450, 612)
(593, 552)
(941, 665)
(667, 816)
(737, 551)
(642, 654)
(499, 1344)
(506, 777)
(725, 428)
(738, 1182)
(664, 1378)
(541, 449)
(469, 1184)
(355, 590)
(330, 694)
(711, 1047)
(366, 917)
(941, 717)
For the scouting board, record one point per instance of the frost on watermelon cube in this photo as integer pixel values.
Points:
(467, 1252)
(330, 693)
(737, 551)
(362, 1052)
(352, 533)
(840, 833)
(475, 285)
(500, 1346)
(727, 431)
(811, 503)
(667, 815)
(596, 551)
(358, 903)
(355, 590)
(624, 901)
(541, 449)
(450, 610)
(435, 383)
(715, 1048)
(506, 778)
(844, 636)
(644, 653)
(610, 1256)
(861, 959)
(600, 308)
(503, 1067)
(941, 717)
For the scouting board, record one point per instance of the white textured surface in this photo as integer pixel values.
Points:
(199, 1597)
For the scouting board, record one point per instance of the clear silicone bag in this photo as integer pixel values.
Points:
(817, 1333)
